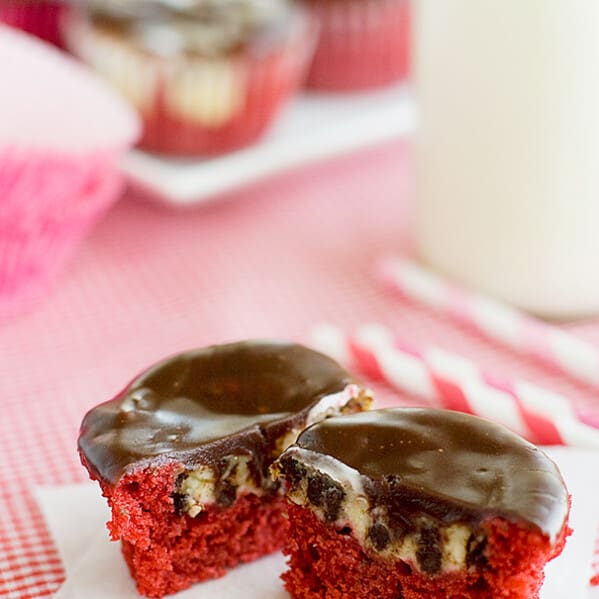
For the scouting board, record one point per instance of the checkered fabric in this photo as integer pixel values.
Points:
(269, 261)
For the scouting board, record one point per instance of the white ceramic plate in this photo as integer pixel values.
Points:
(314, 127)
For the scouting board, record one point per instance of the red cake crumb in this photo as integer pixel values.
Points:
(167, 552)
(325, 563)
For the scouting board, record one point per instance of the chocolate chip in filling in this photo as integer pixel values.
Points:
(378, 535)
(429, 552)
(325, 493)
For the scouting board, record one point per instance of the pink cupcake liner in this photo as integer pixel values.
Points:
(34, 253)
(363, 44)
(42, 186)
(38, 17)
(58, 152)
(202, 107)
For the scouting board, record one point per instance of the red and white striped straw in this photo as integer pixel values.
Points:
(595, 563)
(544, 342)
(458, 384)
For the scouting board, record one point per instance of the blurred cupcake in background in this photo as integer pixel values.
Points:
(207, 76)
(62, 131)
(38, 17)
(363, 43)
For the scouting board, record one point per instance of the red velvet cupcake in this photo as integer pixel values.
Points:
(183, 455)
(208, 78)
(363, 44)
(413, 503)
(38, 17)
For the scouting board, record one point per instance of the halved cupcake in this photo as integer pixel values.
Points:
(413, 503)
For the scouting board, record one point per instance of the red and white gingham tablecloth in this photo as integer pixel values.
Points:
(270, 261)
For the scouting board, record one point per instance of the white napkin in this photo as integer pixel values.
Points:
(95, 568)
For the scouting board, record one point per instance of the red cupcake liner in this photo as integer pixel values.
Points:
(363, 44)
(38, 17)
(202, 107)
(267, 84)
(34, 250)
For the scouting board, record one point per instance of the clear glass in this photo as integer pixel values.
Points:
(508, 148)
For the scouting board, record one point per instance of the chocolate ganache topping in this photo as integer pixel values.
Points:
(202, 404)
(451, 466)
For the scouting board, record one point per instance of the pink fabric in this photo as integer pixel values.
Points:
(270, 261)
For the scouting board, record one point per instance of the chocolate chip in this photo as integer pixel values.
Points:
(179, 499)
(295, 472)
(399, 525)
(324, 492)
(475, 552)
(226, 493)
(379, 536)
(316, 490)
(429, 551)
(333, 498)
(180, 503)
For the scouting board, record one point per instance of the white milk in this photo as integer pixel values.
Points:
(508, 150)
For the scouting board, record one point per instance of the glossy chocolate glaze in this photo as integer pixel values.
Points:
(201, 405)
(451, 466)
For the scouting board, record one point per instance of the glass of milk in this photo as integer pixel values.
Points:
(507, 154)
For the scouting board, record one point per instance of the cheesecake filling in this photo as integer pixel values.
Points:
(208, 486)
(226, 479)
(341, 497)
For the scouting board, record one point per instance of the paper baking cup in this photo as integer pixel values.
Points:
(363, 44)
(198, 106)
(36, 17)
(63, 133)
(34, 250)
